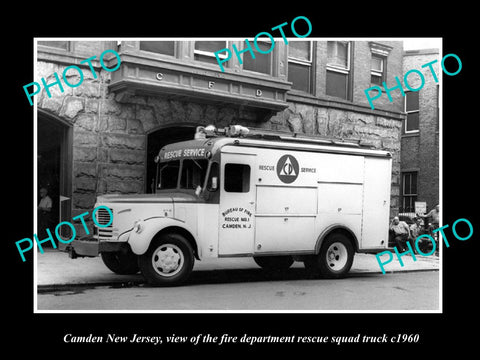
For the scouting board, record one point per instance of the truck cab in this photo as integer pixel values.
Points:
(229, 193)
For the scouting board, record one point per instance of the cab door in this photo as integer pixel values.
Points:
(237, 204)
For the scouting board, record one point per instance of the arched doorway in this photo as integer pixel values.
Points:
(54, 170)
(160, 137)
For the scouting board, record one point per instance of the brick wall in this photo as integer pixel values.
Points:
(420, 151)
(362, 56)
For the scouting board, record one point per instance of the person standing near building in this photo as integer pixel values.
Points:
(44, 211)
(434, 214)
(401, 233)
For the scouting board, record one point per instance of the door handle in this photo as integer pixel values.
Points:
(252, 202)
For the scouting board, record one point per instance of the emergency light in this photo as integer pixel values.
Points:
(203, 132)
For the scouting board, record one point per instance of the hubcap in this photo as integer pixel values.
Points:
(167, 260)
(337, 256)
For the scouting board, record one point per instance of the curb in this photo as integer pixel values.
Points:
(403, 271)
(45, 289)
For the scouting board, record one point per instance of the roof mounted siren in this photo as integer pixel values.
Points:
(203, 132)
(237, 131)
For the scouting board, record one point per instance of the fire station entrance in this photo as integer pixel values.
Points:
(157, 139)
(54, 171)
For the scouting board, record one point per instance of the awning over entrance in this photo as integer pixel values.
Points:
(140, 75)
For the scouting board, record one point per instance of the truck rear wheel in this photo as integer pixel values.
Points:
(274, 262)
(121, 262)
(334, 259)
(168, 261)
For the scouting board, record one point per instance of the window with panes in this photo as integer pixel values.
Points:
(300, 65)
(409, 191)
(412, 108)
(338, 69)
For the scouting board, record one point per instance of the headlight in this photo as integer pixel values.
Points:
(138, 226)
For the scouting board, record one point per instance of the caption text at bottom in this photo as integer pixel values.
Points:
(244, 339)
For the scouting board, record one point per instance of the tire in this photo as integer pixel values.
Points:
(272, 263)
(122, 263)
(334, 259)
(168, 261)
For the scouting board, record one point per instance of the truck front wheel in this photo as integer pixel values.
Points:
(334, 259)
(168, 261)
(121, 262)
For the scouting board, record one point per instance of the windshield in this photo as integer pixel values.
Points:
(192, 174)
(168, 175)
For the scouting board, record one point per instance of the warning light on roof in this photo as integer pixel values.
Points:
(237, 130)
(204, 132)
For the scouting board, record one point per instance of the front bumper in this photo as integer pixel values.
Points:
(88, 246)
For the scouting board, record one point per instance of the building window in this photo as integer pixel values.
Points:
(262, 62)
(237, 178)
(412, 108)
(378, 62)
(159, 47)
(205, 51)
(64, 45)
(409, 194)
(377, 69)
(300, 65)
(338, 69)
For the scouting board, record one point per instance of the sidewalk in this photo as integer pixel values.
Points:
(55, 268)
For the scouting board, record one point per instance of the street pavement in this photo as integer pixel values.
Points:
(54, 269)
(254, 291)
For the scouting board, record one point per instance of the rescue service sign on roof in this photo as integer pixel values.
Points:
(181, 153)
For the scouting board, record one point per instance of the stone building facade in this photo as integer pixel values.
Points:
(420, 135)
(101, 136)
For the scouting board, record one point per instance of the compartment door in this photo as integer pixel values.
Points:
(285, 219)
(376, 203)
(237, 204)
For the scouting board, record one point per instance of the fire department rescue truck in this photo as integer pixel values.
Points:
(230, 192)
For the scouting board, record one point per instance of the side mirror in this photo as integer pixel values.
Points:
(198, 190)
(213, 184)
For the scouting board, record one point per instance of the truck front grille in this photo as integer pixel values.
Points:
(103, 218)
